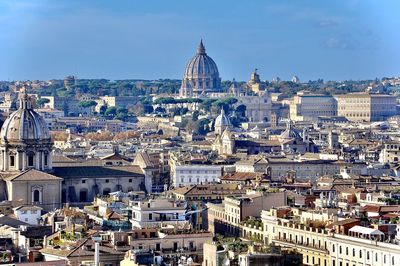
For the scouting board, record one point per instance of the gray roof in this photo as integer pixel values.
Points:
(33, 174)
(96, 171)
(10, 221)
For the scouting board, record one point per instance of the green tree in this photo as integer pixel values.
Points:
(111, 111)
(122, 110)
(241, 110)
(103, 109)
(42, 101)
(195, 115)
(87, 104)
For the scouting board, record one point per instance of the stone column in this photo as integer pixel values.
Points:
(18, 160)
(37, 159)
(2, 162)
(23, 161)
(5, 161)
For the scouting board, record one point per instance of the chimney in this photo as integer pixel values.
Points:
(96, 254)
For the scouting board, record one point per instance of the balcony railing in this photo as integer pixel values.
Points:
(292, 243)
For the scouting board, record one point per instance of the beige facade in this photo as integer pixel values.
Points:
(359, 107)
(308, 107)
(213, 256)
(258, 108)
(311, 242)
(279, 167)
(390, 153)
(35, 188)
(168, 241)
(226, 218)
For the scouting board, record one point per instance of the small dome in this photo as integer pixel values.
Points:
(222, 120)
(24, 124)
(235, 88)
(289, 133)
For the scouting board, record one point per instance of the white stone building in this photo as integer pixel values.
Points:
(158, 212)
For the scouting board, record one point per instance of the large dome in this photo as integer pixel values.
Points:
(24, 125)
(201, 65)
(202, 73)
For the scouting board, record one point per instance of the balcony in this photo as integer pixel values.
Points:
(292, 244)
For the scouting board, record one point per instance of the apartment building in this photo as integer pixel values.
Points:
(307, 238)
(157, 212)
(226, 218)
(361, 250)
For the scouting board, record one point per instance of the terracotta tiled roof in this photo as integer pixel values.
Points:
(239, 176)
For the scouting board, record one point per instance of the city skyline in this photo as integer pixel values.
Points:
(132, 40)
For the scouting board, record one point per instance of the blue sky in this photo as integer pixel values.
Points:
(334, 40)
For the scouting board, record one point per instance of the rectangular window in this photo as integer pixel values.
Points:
(12, 160)
(45, 160)
(30, 160)
(150, 216)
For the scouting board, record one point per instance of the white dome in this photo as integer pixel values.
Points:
(222, 120)
(24, 125)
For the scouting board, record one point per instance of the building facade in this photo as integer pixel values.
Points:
(358, 107)
(308, 107)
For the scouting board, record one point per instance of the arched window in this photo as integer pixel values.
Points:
(360, 254)
(36, 196)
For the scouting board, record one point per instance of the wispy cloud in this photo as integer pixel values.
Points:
(328, 22)
(339, 43)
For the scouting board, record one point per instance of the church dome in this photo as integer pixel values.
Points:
(24, 124)
(201, 65)
(202, 73)
(222, 120)
(289, 133)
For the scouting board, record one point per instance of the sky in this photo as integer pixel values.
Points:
(152, 39)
